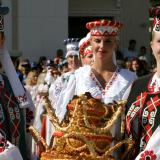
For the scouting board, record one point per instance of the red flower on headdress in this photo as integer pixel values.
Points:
(148, 154)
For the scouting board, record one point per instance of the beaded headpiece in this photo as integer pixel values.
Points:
(104, 27)
(85, 47)
(156, 26)
(72, 46)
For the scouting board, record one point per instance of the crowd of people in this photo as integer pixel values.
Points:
(93, 64)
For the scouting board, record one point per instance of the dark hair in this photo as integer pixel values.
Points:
(59, 53)
(138, 61)
(143, 47)
(42, 58)
(132, 41)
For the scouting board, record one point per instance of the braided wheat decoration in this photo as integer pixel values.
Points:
(85, 131)
(38, 139)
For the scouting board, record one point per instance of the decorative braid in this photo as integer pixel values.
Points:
(110, 122)
(53, 117)
(38, 139)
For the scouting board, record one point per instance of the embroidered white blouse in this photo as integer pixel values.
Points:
(56, 87)
(83, 80)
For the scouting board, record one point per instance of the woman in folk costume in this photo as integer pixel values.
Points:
(39, 92)
(104, 80)
(143, 113)
(31, 84)
(13, 102)
(73, 61)
(85, 50)
(39, 119)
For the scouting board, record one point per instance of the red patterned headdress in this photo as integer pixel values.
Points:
(85, 47)
(104, 27)
(156, 26)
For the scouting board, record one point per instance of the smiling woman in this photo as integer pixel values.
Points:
(104, 80)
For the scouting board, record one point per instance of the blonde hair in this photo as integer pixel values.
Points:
(41, 78)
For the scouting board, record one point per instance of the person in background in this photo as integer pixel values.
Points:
(145, 57)
(64, 68)
(23, 69)
(72, 54)
(73, 61)
(143, 54)
(40, 118)
(52, 72)
(128, 65)
(58, 60)
(143, 107)
(31, 84)
(85, 50)
(130, 52)
(138, 67)
(41, 63)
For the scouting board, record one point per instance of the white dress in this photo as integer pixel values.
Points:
(56, 87)
(152, 149)
(54, 93)
(83, 80)
(8, 151)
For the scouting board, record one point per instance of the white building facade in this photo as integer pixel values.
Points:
(37, 28)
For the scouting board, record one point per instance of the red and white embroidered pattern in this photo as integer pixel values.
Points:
(3, 144)
(134, 110)
(150, 155)
(113, 78)
(109, 84)
(148, 119)
(147, 110)
(153, 87)
(104, 27)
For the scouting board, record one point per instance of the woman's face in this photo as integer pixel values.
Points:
(73, 62)
(155, 45)
(55, 73)
(103, 46)
(135, 65)
(33, 77)
(88, 59)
